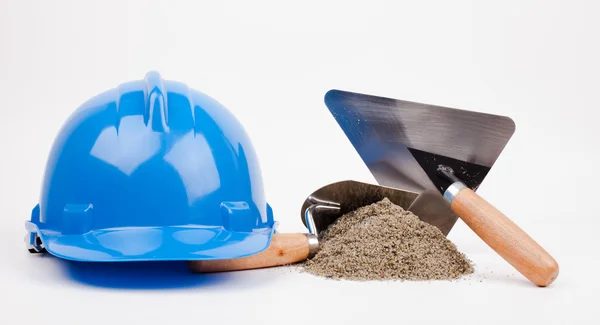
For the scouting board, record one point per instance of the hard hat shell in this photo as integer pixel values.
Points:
(151, 170)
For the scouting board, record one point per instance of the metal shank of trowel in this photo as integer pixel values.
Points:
(318, 207)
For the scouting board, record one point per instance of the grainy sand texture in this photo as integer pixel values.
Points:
(382, 241)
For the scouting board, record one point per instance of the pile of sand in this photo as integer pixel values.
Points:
(382, 241)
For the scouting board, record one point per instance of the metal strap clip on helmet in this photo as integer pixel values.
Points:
(151, 170)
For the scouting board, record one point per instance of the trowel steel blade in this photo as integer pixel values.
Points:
(402, 143)
(348, 196)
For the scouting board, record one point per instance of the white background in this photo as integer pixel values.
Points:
(271, 64)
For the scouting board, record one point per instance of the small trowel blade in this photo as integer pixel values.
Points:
(348, 196)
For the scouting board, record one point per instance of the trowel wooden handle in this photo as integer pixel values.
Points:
(284, 249)
(505, 237)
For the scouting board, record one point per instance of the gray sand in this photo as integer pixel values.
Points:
(382, 241)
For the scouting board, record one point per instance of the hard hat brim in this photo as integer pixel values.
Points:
(156, 244)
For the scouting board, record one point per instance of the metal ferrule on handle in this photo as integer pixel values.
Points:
(453, 190)
(313, 245)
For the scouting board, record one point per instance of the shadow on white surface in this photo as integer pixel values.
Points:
(142, 275)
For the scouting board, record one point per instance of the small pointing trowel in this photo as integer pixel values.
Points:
(320, 209)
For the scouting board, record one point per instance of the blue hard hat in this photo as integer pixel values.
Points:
(151, 170)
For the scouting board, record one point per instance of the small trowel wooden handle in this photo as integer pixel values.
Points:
(505, 237)
(284, 249)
